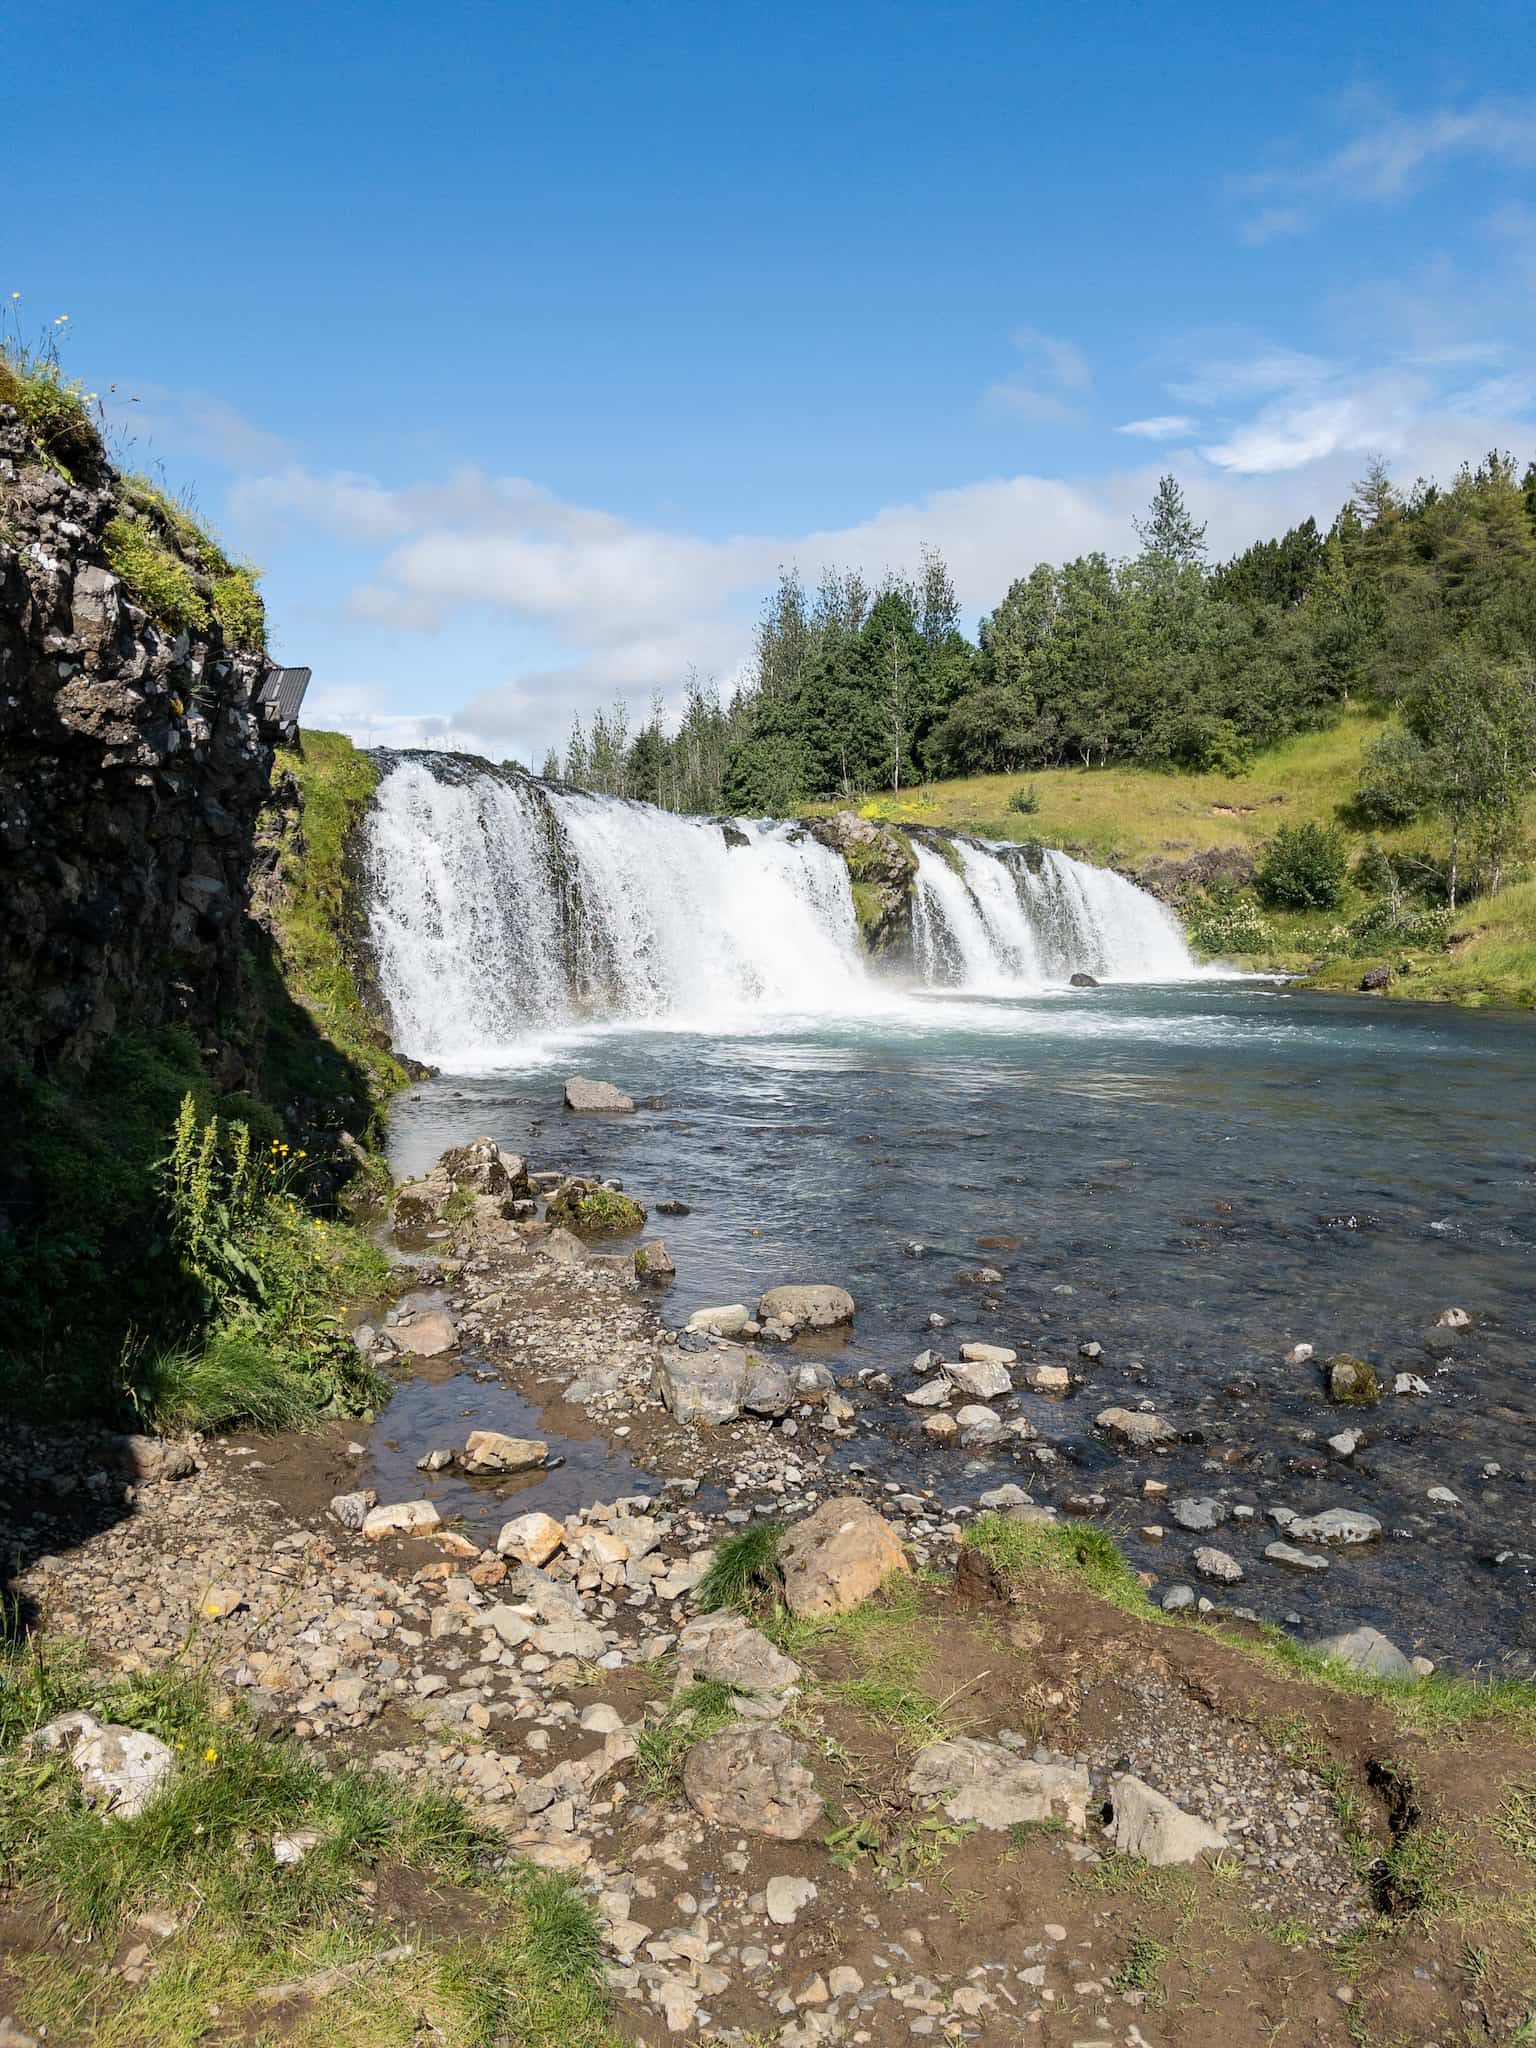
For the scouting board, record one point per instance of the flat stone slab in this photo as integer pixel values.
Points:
(1147, 1825)
(487, 1450)
(401, 1518)
(985, 1783)
(589, 1098)
(806, 1308)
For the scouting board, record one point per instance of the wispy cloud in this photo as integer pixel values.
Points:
(1162, 426)
(1274, 223)
(1388, 156)
(1055, 372)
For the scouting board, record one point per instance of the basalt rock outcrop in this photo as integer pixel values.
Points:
(881, 870)
(133, 761)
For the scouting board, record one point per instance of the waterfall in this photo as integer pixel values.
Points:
(501, 907)
(1004, 919)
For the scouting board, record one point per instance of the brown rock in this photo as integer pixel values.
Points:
(837, 1557)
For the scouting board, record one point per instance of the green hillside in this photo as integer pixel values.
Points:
(1131, 817)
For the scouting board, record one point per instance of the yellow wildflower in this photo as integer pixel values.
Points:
(210, 1755)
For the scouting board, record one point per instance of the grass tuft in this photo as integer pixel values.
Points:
(701, 1709)
(744, 1572)
(1017, 1548)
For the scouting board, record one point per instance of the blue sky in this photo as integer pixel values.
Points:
(519, 345)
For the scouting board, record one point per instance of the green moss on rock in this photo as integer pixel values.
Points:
(1352, 1382)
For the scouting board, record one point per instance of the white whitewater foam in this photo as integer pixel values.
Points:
(504, 911)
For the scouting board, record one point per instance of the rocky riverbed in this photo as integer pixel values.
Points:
(913, 1827)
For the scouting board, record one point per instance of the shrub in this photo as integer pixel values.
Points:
(1394, 782)
(1386, 926)
(153, 576)
(1227, 923)
(1025, 801)
(239, 610)
(1303, 868)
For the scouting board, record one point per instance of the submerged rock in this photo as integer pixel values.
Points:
(1140, 1431)
(1352, 1381)
(1334, 1525)
(596, 1098)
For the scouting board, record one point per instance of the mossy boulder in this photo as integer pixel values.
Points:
(882, 868)
(591, 1210)
(1352, 1382)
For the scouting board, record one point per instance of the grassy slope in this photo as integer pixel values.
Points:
(1127, 815)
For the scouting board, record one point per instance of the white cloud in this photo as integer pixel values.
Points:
(617, 606)
(358, 709)
(1162, 426)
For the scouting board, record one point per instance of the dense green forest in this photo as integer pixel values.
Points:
(1422, 603)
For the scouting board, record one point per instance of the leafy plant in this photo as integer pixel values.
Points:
(1225, 923)
(1303, 868)
(1143, 1964)
(1025, 801)
(154, 576)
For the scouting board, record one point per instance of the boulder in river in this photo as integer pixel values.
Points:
(837, 1557)
(984, 1379)
(703, 1386)
(483, 1168)
(1136, 1428)
(1366, 1650)
(1352, 1381)
(589, 1098)
(1081, 980)
(727, 1320)
(806, 1308)
(488, 1450)
(591, 1210)
(654, 1262)
(1344, 1526)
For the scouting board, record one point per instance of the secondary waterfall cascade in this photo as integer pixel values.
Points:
(501, 906)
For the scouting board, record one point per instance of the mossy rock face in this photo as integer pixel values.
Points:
(591, 1210)
(1352, 1382)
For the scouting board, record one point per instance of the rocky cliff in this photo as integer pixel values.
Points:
(134, 758)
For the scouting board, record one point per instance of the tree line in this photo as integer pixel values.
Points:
(1422, 602)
